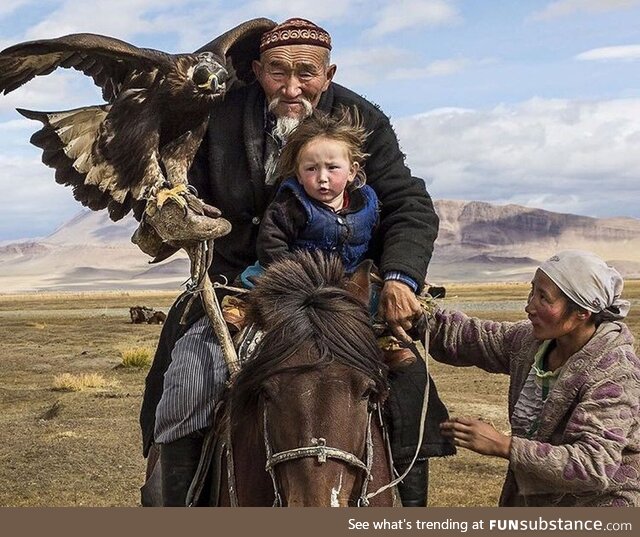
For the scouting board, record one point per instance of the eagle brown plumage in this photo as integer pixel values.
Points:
(118, 155)
(134, 152)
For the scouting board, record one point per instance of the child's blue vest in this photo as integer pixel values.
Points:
(346, 234)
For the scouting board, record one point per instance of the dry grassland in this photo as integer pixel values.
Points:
(76, 448)
(82, 448)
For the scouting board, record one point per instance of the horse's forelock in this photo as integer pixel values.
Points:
(302, 304)
(290, 282)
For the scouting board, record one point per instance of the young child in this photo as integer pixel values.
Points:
(323, 201)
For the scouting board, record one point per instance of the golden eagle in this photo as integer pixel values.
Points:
(134, 152)
(140, 145)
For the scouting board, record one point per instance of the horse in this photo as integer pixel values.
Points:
(302, 422)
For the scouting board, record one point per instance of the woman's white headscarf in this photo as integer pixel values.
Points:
(589, 282)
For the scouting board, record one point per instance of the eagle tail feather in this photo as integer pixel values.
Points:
(67, 140)
(91, 197)
(69, 177)
(42, 138)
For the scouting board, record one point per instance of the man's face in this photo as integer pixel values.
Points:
(291, 75)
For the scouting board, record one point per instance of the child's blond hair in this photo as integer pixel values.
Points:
(346, 127)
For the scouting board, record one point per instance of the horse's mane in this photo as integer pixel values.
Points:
(302, 303)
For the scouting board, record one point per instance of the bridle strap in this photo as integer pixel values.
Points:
(231, 470)
(277, 499)
(323, 452)
(318, 449)
(363, 501)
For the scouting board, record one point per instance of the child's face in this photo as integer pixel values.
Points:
(324, 171)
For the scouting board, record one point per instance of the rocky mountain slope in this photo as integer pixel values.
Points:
(483, 242)
(478, 242)
(88, 252)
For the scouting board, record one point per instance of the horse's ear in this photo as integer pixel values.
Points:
(360, 281)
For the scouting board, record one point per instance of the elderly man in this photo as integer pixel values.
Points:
(235, 171)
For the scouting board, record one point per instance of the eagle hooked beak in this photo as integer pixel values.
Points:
(209, 77)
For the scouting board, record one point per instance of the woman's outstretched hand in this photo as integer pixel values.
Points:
(477, 435)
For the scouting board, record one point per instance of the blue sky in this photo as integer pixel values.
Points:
(530, 102)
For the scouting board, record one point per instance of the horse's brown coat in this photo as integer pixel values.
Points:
(315, 375)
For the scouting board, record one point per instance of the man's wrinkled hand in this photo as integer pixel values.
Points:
(399, 307)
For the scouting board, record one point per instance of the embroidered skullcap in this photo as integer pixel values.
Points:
(295, 32)
(589, 282)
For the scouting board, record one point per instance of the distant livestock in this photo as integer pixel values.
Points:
(143, 314)
(437, 292)
(158, 317)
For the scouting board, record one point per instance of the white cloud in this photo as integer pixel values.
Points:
(358, 67)
(623, 52)
(38, 204)
(434, 69)
(64, 89)
(118, 18)
(405, 14)
(8, 8)
(574, 156)
(563, 8)
(362, 67)
(190, 23)
(209, 22)
(318, 12)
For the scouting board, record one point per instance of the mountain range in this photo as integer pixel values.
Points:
(477, 242)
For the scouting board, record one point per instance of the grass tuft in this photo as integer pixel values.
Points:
(66, 382)
(136, 357)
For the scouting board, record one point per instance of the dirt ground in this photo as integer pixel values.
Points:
(88, 453)
(83, 448)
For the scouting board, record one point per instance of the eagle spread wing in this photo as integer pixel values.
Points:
(109, 61)
(120, 154)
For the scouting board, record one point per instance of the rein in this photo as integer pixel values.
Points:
(423, 413)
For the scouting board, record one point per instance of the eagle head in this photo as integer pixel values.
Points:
(209, 75)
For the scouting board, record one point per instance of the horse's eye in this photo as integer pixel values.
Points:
(369, 393)
(270, 390)
(267, 393)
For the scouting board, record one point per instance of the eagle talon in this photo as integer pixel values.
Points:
(161, 196)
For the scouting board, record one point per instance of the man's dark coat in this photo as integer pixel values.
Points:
(229, 173)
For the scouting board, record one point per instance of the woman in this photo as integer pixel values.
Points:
(574, 393)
